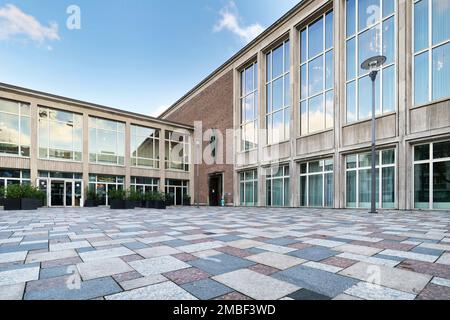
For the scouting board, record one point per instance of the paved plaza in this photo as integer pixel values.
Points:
(224, 253)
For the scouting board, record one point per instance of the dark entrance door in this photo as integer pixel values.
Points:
(215, 189)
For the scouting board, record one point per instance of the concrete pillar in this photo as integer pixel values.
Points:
(34, 143)
(85, 150)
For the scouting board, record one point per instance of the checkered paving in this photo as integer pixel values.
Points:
(224, 253)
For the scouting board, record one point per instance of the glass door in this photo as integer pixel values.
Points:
(57, 193)
(78, 194)
(69, 194)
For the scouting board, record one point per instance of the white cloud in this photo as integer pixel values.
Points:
(230, 20)
(15, 23)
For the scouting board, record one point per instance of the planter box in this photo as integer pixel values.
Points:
(160, 205)
(131, 204)
(2, 201)
(186, 203)
(150, 204)
(117, 204)
(11, 204)
(90, 204)
(29, 204)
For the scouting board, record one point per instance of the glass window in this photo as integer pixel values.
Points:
(101, 184)
(316, 183)
(359, 180)
(375, 36)
(144, 184)
(176, 190)
(14, 128)
(249, 106)
(432, 176)
(248, 182)
(317, 76)
(177, 150)
(106, 141)
(277, 186)
(431, 82)
(144, 147)
(278, 94)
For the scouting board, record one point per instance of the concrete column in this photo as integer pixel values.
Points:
(162, 162)
(127, 155)
(85, 150)
(34, 143)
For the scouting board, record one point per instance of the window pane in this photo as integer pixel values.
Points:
(351, 102)
(351, 189)
(287, 120)
(350, 17)
(269, 97)
(388, 156)
(329, 190)
(249, 108)
(316, 114)
(388, 188)
(422, 152)
(441, 71)
(316, 166)
(248, 80)
(277, 192)
(422, 186)
(315, 36)
(365, 187)
(303, 193)
(303, 83)
(316, 191)
(277, 57)
(329, 70)
(329, 109)
(421, 84)
(389, 89)
(441, 150)
(369, 12)
(304, 118)
(329, 30)
(441, 185)
(389, 40)
(277, 87)
(365, 97)
(25, 128)
(441, 21)
(269, 67)
(287, 56)
(287, 90)
(9, 106)
(368, 46)
(303, 43)
(9, 128)
(420, 25)
(278, 127)
(315, 74)
(388, 7)
(60, 136)
(351, 70)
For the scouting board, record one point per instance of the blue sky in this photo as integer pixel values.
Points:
(137, 55)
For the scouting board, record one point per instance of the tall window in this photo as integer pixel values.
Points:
(176, 190)
(277, 186)
(431, 50)
(432, 160)
(14, 176)
(60, 135)
(370, 31)
(278, 113)
(106, 141)
(359, 180)
(248, 182)
(144, 184)
(103, 183)
(177, 151)
(316, 183)
(144, 147)
(317, 75)
(249, 107)
(14, 128)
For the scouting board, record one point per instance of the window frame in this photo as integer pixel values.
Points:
(244, 122)
(242, 186)
(117, 132)
(155, 141)
(308, 174)
(270, 178)
(154, 186)
(185, 162)
(20, 114)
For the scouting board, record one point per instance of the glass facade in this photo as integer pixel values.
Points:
(316, 183)
(370, 31)
(13, 176)
(359, 180)
(177, 151)
(432, 160)
(176, 190)
(431, 47)
(144, 147)
(62, 189)
(278, 94)
(249, 107)
(248, 184)
(106, 141)
(317, 76)
(60, 135)
(144, 184)
(103, 183)
(277, 186)
(14, 128)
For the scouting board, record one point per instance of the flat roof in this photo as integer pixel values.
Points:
(17, 89)
(235, 56)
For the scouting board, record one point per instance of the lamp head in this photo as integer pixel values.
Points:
(373, 63)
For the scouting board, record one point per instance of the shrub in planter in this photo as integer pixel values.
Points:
(186, 200)
(169, 200)
(91, 199)
(149, 200)
(160, 200)
(30, 197)
(13, 196)
(116, 199)
(134, 199)
(2, 196)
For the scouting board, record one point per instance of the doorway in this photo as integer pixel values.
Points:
(62, 193)
(215, 184)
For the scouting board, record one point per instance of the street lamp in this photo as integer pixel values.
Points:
(373, 65)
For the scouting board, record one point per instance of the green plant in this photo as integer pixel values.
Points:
(133, 195)
(2, 192)
(91, 195)
(118, 194)
(149, 196)
(14, 191)
(187, 198)
(159, 196)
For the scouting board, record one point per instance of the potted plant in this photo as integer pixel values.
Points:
(13, 196)
(186, 200)
(91, 199)
(169, 200)
(30, 198)
(149, 200)
(160, 200)
(116, 199)
(2, 196)
(133, 199)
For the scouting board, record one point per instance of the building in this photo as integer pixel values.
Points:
(67, 146)
(301, 107)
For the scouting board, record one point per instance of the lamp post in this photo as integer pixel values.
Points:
(197, 185)
(373, 65)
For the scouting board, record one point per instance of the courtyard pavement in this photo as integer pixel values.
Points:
(224, 253)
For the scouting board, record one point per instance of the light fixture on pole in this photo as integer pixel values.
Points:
(373, 65)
